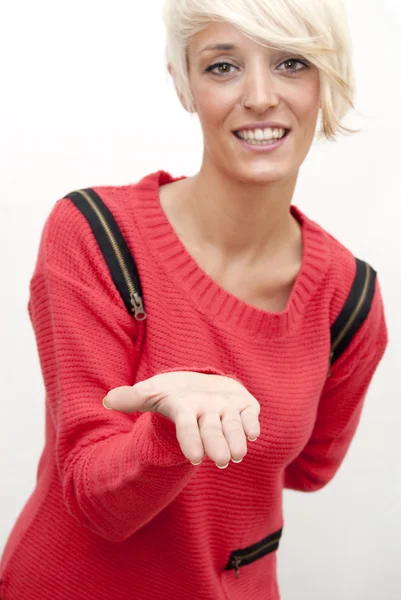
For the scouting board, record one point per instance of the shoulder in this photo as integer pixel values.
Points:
(342, 265)
(343, 269)
(123, 201)
(66, 224)
(68, 246)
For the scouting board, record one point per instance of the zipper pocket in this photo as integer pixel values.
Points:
(248, 555)
(114, 248)
(352, 319)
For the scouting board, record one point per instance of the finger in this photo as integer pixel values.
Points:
(125, 399)
(250, 422)
(233, 431)
(214, 442)
(188, 437)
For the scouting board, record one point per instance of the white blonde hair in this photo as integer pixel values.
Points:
(315, 29)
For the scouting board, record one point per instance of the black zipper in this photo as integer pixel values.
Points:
(345, 326)
(114, 248)
(248, 555)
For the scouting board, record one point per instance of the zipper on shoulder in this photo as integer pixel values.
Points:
(135, 298)
(352, 318)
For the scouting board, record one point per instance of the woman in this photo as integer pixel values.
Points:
(230, 366)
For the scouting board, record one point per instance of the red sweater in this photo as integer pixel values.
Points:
(118, 512)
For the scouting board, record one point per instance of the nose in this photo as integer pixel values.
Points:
(260, 89)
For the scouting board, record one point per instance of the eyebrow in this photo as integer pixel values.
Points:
(225, 47)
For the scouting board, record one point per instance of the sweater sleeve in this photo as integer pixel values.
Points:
(117, 471)
(340, 405)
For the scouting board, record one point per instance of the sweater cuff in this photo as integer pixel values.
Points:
(207, 370)
(157, 441)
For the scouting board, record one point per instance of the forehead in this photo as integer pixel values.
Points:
(219, 33)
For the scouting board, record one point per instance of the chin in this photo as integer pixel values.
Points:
(262, 177)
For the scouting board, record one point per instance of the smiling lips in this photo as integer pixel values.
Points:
(261, 135)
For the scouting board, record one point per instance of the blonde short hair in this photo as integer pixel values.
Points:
(315, 29)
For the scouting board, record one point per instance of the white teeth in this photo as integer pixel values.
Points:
(262, 134)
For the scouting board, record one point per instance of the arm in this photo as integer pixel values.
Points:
(117, 471)
(340, 405)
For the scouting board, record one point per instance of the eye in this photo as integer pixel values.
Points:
(218, 66)
(292, 62)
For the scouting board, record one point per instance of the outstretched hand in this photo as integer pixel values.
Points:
(213, 414)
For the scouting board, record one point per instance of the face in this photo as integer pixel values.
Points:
(279, 88)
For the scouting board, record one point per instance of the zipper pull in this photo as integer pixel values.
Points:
(236, 562)
(137, 306)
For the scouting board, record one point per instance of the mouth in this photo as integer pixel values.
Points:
(264, 140)
(264, 143)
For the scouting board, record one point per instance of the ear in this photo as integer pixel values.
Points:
(180, 96)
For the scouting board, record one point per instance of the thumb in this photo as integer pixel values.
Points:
(125, 399)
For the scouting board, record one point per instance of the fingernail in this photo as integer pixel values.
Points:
(252, 440)
(237, 461)
(195, 464)
(225, 466)
(105, 405)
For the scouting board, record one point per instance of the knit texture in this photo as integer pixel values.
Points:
(118, 512)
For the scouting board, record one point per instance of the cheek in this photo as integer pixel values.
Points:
(307, 103)
(212, 105)
(211, 110)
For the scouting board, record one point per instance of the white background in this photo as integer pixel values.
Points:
(84, 101)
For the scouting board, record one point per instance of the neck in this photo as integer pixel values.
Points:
(239, 219)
